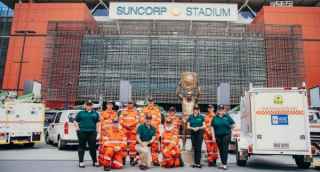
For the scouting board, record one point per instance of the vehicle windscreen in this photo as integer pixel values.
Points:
(72, 117)
(49, 118)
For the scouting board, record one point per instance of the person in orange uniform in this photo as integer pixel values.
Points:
(154, 111)
(129, 119)
(212, 148)
(107, 117)
(170, 146)
(113, 147)
(176, 121)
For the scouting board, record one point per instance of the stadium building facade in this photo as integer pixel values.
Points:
(76, 57)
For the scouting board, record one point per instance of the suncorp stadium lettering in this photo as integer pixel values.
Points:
(142, 10)
(207, 12)
(190, 11)
(173, 11)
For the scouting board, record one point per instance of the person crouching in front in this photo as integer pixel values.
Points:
(114, 147)
(170, 146)
(145, 136)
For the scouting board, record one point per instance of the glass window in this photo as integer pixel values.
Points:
(57, 120)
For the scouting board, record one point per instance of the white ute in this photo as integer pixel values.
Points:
(62, 130)
(21, 123)
(274, 121)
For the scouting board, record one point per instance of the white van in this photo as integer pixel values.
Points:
(274, 121)
(21, 123)
(62, 131)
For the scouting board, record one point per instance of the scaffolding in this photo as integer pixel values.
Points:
(152, 55)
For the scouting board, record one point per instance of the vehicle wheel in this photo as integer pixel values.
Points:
(47, 139)
(29, 145)
(61, 144)
(240, 162)
(301, 163)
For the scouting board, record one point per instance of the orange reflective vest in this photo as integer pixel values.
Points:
(207, 122)
(129, 119)
(114, 137)
(106, 118)
(170, 142)
(154, 111)
(176, 121)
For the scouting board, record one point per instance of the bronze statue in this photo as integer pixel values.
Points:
(188, 91)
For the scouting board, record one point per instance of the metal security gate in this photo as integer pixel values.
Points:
(152, 55)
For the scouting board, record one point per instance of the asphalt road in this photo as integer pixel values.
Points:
(46, 158)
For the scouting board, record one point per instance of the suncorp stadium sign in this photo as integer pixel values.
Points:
(173, 11)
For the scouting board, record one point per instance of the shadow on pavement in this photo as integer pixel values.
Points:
(19, 146)
(264, 164)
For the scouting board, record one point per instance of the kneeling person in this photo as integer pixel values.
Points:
(170, 147)
(145, 136)
(113, 147)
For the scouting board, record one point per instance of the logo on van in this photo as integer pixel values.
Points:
(278, 100)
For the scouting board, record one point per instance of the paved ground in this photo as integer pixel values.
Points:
(47, 158)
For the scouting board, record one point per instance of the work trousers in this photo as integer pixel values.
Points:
(144, 154)
(223, 145)
(111, 158)
(212, 148)
(197, 139)
(89, 137)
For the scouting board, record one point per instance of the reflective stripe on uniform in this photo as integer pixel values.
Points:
(129, 117)
(117, 162)
(115, 142)
(169, 141)
(107, 158)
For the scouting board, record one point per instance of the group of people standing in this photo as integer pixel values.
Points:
(137, 136)
(215, 130)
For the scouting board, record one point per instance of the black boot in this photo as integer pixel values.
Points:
(181, 162)
(212, 163)
(106, 168)
(133, 162)
(156, 164)
(124, 161)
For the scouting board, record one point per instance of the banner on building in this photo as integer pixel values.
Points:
(173, 11)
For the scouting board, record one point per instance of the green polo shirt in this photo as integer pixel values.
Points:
(196, 121)
(222, 125)
(87, 120)
(146, 133)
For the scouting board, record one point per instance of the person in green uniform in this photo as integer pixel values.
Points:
(146, 134)
(195, 123)
(86, 124)
(222, 125)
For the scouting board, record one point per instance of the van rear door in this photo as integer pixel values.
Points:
(25, 118)
(280, 120)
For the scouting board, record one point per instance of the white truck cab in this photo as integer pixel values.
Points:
(274, 121)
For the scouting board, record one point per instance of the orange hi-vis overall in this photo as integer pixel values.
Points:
(170, 148)
(176, 121)
(154, 111)
(106, 119)
(212, 148)
(129, 119)
(109, 157)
